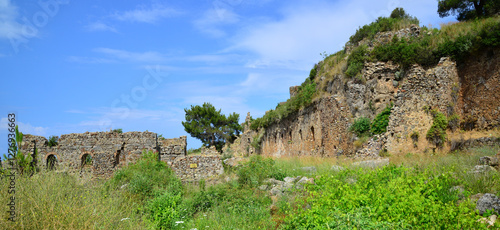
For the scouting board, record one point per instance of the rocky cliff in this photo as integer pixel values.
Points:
(467, 93)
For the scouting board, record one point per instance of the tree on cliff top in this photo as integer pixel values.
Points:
(211, 126)
(468, 9)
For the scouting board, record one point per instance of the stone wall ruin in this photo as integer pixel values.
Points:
(101, 153)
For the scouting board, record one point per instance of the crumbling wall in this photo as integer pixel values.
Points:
(420, 91)
(320, 129)
(197, 167)
(108, 150)
(480, 89)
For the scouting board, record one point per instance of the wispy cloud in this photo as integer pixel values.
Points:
(212, 21)
(296, 39)
(100, 26)
(9, 27)
(149, 56)
(89, 60)
(143, 14)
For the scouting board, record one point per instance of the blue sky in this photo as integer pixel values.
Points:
(72, 66)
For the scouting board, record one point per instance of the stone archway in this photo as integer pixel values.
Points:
(86, 160)
(51, 162)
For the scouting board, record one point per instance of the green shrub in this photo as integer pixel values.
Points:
(387, 198)
(356, 61)
(146, 177)
(253, 172)
(52, 141)
(437, 132)
(361, 126)
(117, 131)
(302, 99)
(381, 121)
(313, 72)
(382, 24)
(163, 210)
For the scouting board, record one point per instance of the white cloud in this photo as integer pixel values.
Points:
(9, 27)
(146, 15)
(132, 56)
(301, 34)
(100, 26)
(25, 128)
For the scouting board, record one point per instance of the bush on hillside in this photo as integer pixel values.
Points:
(381, 121)
(437, 133)
(361, 126)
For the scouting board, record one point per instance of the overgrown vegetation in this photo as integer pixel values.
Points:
(393, 197)
(457, 41)
(437, 133)
(53, 141)
(117, 131)
(381, 121)
(399, 19)
(356, 61)
(302, 99)
(147, 195)
(361, 126)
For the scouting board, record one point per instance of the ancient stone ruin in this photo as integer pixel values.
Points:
(99, 154)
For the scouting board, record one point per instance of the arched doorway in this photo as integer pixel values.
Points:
(86, 160)
(51, 162)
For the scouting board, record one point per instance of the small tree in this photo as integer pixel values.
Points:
(399, 13)
(211, 126)
(468, 9)
(53, 141)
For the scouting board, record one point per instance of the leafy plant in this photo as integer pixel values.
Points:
(163, 210)
(361, 126)
(355, 61)
(117, 131)
(313, 72)
(302, 99)
(381, 121)
(53, 141)
(437, 132)
(146, 177)
(253, 172)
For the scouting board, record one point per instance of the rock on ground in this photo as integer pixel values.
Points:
(487, 202)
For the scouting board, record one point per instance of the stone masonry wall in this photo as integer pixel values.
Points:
(109, 151)
(420, 91)
(195, 168)
(318, 130)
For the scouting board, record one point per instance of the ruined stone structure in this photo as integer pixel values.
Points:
(469, 89)
(101, 153)
(318, 130)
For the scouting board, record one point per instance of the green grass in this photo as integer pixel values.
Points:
(413, 192)
(398, 196)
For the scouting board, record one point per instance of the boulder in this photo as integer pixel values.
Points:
(488, 202)
(478, 169)
(487, 160)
